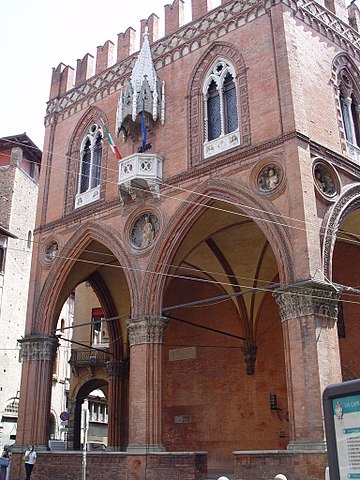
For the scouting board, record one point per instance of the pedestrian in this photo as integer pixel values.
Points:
(30, 460)
(5, 462)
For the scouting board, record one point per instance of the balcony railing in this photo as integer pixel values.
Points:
(138, 173)
(88, 359)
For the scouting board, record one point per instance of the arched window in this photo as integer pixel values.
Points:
(350, 109)
(218, 92)
(221, 109)
(90, 167)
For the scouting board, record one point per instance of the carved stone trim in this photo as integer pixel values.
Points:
(146, 330)
(117, 370)
(38, 348)
(346, 204)
(307, 298)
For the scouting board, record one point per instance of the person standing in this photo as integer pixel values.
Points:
(4, 468)
(30, 460)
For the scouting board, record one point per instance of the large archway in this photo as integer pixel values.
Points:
(224, 381)
(94, 257)
(346, 274)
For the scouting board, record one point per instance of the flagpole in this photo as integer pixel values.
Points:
(143, 127)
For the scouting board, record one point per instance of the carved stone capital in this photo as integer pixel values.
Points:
(38, 347)
(307, 299)
(118, 370)
(146, 330)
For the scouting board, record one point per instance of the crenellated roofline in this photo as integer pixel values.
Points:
(188, 38)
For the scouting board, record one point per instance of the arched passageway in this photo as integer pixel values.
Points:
(223, 352)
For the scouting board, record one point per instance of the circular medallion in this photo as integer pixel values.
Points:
(269, 178)
(325, 179)
(144, 230)
(51, 251)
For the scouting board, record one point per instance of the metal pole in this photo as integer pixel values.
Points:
(85, 417)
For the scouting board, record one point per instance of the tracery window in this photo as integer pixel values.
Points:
(350, 109)
(88, 189)
(221, 109)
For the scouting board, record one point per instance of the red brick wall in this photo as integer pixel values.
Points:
(346, 256)
(295, 466)
(113, 466)
(229, 409)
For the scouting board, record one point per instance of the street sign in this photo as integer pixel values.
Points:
(64, 416)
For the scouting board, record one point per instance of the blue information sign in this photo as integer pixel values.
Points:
(342, 422)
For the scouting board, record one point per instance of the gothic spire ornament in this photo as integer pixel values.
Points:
(142, 91)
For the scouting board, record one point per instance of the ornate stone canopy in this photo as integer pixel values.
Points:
(141, 91)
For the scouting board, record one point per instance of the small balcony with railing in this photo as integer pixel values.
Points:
(89, 359)
(140, 174)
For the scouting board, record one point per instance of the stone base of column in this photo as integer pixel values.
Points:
(115, 449)
(310, 446)
(145, 448)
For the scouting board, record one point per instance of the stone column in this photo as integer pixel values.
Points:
(71, 432)
(308, 313)
(348, 103)
(118, 376)
(145, 339)
(37, 355)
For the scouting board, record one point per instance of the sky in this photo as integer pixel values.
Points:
(37, 35)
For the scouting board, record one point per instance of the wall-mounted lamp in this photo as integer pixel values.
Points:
(275, 407)
(274, 402)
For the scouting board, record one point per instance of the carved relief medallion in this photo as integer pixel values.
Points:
(144, 230)
(269, 178)
(51, 251)
(325, 179)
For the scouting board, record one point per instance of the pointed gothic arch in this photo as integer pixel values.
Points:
(93, 116)
(348, 202)
(346, 80)
(260, 211)
(196, 127)
(58, 284)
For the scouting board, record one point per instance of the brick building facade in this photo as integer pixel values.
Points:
(19, 168)
(220, 246)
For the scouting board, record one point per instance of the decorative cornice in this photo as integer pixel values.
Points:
(328, 24)
(307, 298)
(146, 330)
(37, 347)
(197, 35)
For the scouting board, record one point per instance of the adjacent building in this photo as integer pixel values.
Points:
(20, 161)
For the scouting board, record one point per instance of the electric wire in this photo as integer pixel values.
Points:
(177, 187)
(207, 206)
(237, 213)
(192, 278)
